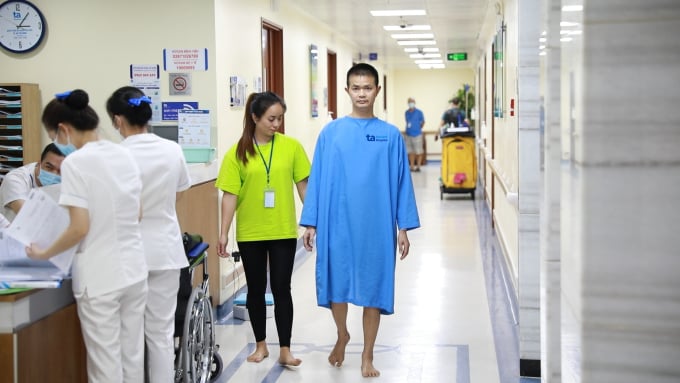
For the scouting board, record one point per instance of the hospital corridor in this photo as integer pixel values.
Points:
(547, 250)
(453, 321)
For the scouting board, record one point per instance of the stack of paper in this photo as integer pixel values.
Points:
(41, 220)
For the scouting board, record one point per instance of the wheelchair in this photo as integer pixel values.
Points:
(196, 358)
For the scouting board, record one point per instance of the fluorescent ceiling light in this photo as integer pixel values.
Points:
(428, 61)
(404, 12)
(567, 24)
(417, 42)
(566, 39)
(426, 49)
(424, 55)
(431, 66)
(407, 28)
(412, 36)
(572, 8)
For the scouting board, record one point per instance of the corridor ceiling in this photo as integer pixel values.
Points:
(456, 26)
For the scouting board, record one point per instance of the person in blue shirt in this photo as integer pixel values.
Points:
(359, 206)
(415, 120)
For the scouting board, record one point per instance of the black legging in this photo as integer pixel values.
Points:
(281, 258)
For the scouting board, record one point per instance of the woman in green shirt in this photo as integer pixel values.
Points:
(257, 179)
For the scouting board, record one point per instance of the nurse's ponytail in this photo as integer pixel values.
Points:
(131, 103)
(71, 107)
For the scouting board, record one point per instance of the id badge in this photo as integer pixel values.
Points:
(269, 198)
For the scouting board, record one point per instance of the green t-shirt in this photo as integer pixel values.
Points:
(289, 165)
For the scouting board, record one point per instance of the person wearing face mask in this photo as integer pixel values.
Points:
(19, 182)
(415, 120)
(101, 188)
(130, 112)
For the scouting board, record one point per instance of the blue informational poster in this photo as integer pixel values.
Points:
(170, 109)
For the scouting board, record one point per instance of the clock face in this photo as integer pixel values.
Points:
(22, 26)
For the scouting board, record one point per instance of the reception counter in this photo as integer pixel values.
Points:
(198, 213)
(40, 338)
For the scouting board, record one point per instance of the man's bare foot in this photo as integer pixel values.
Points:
(337, 356)
(260, 353)
(287, 359)
(367, 369)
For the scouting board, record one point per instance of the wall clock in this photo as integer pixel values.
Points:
(22, 26)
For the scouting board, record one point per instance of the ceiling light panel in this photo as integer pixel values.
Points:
(417, 42)
(405, 12)
(572, 8)
(400, 36)
(425, 55)
(426, 49)
(407, 27)
(428, 61)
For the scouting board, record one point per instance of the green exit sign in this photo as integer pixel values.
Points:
(458, 56)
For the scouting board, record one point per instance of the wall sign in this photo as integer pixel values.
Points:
(183, 60)
(179, 84)
(170, 109)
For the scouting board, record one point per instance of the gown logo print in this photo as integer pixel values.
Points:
(372, 138)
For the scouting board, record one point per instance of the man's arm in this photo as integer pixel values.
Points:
(308, 238)
(16, 205)
(404, 244)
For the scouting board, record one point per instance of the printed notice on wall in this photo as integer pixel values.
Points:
(144, 74)
(185, 60)
(194, 128)
(147, 78)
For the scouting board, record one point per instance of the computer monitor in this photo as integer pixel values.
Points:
(169, 132)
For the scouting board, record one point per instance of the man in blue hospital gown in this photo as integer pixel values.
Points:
(359, 206)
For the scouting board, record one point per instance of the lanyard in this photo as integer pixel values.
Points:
(271, 152)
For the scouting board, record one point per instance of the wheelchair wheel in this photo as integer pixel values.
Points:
(216, 367)
(198, 339)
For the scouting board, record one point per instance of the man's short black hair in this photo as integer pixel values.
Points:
(362, 69)
(51, 148)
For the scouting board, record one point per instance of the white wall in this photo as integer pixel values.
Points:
(239, 53)
(95, 53)
(505, 132)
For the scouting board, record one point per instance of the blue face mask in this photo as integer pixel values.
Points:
(47, 178)
(65, 149)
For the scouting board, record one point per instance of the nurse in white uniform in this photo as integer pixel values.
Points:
(101, 187)
(164, 174)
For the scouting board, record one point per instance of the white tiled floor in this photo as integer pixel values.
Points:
(441, 330)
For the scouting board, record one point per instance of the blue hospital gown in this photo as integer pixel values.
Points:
(359, 194)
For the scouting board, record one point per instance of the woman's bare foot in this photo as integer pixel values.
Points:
(287, 359)
(260, 353)
(367, 369)
(337, 356)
